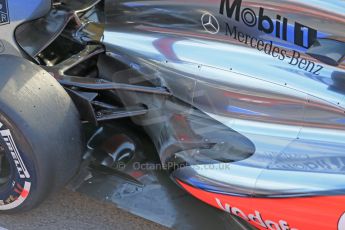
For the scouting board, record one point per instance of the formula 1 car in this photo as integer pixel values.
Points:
(241, 101)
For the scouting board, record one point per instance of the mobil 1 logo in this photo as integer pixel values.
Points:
(303, 35)
(4, 15)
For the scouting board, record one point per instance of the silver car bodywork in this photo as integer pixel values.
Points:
(293, 116)
(12, 14)
(254, 67)
(242, 99)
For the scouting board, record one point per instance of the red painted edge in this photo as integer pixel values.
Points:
(305, 213)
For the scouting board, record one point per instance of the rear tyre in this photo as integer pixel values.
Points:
(40, 138)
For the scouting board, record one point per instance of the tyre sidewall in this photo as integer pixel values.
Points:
(19, 191)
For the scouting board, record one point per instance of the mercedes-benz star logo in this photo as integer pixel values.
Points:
(210, 23)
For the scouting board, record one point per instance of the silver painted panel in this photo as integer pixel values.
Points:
(262, 85)
(20, 11)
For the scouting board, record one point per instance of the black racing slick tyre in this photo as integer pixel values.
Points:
(40, 137)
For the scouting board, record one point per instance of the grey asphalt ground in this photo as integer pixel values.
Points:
(72, 210)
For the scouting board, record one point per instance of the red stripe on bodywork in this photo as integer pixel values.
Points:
(305, 213)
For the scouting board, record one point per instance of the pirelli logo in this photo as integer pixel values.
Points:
(7, 137)
(4, 13)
